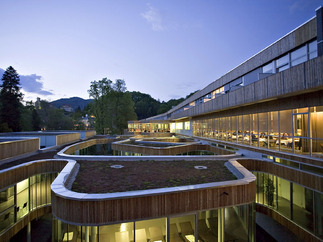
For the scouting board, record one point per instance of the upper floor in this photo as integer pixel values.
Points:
(290, 61)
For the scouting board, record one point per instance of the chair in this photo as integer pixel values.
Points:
(156, 234)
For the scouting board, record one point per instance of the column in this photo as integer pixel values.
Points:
(221, 221)
(319, 24)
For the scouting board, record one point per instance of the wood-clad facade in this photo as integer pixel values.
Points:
(127, 206)
(270, 107)
(14, 148)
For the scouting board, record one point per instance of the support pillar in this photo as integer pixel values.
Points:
(319, 25)
(29, 232)
(221, 221)
(87, 233)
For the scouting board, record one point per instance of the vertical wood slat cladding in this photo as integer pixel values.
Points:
(67, 138)
(173, 150)
(18, 147)
(305, 179)
(85, 144)
(298, 37)
(297, 79)
(169, 150)
(302, 234)
(150, 206)
(15, 175)
(89, 134)
(36, 213)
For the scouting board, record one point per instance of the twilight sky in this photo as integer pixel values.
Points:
(166, 48)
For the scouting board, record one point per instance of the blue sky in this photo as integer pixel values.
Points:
(165, 48)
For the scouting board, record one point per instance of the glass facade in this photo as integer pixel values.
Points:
(153, 127)
(18, 200)
(233, 223)
(297, 203)
(298, 131)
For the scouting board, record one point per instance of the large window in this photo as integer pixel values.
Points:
(295, 202)
(269, 68)
(179, 125)
(298, 56)
(18, 200)
(312, 49)
(295, 130)
(187, 125)
(282, 63)
(232, 223)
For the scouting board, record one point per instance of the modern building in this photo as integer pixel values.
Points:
(269, 107)
(268, 110)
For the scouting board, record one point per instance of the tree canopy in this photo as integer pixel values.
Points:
(112, 106)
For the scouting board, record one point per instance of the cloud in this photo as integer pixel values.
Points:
(31, 83)
(153, 17)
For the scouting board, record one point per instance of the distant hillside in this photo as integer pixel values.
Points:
(146, 106)
(74, 102)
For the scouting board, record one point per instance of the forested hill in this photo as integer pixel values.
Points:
(74, 102)
(145, 105)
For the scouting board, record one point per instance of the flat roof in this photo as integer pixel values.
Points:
(121, 176)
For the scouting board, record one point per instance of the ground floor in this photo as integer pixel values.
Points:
(235, 223)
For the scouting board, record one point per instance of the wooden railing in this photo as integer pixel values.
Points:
(18, 147)
(67, 138)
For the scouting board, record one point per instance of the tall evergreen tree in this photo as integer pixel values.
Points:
(11, 97)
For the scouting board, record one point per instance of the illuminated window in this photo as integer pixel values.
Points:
(172, 127)
(179, 125)
(187, 125)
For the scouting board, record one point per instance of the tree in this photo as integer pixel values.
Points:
(26, 116)
(36, 121)
(52, 118)
(57, 120)
(145, 105)
(10, 98)
(112, 105)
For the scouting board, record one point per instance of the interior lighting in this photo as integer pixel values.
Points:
(123, 227)
(190, 237)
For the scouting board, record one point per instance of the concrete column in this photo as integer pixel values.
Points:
(59, 229)
(221, 221)
(94, 232)
(87, 233)
(29, 232)
(319, 24)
